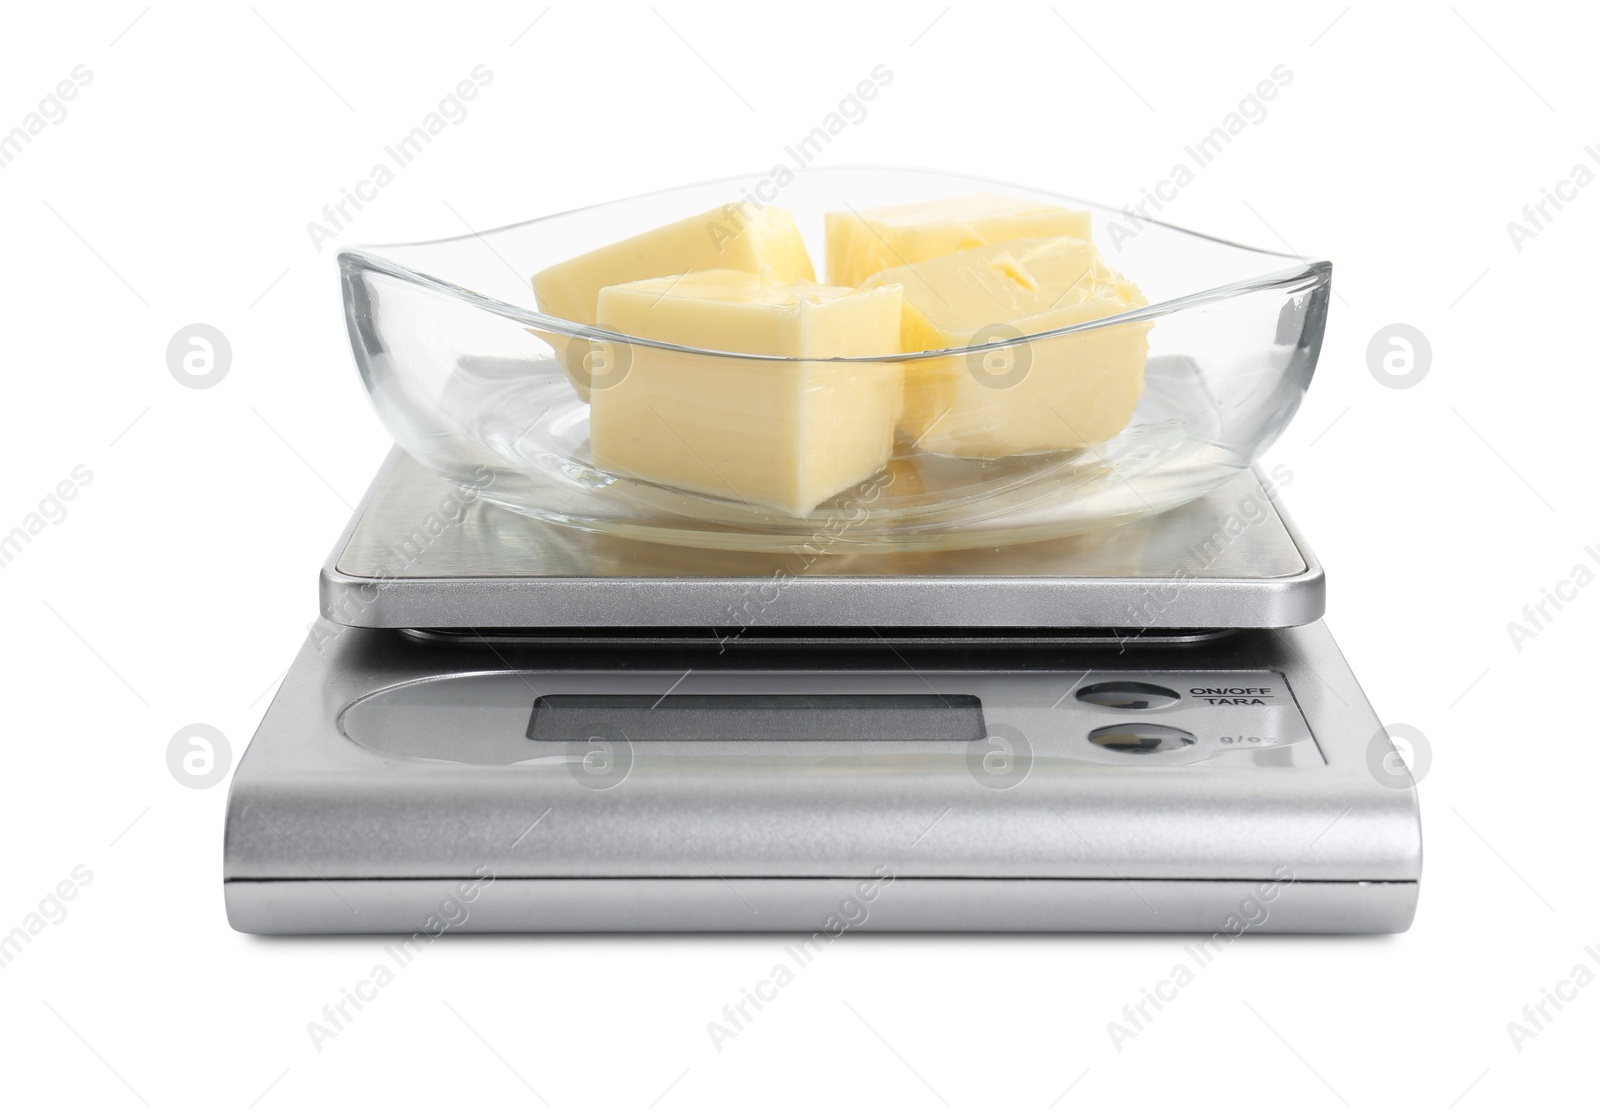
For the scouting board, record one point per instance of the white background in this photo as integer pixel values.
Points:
(178, 588)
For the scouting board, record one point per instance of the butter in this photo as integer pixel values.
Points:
(765, 242)
(781, 434)
(860, 244)
(1032, 396)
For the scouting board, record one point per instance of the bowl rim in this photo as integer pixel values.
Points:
(1311, 273)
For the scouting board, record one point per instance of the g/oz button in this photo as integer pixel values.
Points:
(1141, 738)
(1132, 696)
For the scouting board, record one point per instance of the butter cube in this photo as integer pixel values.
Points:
(1036, 395)
(785, 434)
(860, 245)
(765, 242)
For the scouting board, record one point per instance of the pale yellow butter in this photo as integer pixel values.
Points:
(860, 244)
(1034, 395)
(764, 242)
(783, 434)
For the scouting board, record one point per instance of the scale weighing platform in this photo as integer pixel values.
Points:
(499, 725)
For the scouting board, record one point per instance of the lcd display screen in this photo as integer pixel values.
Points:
(794, 717)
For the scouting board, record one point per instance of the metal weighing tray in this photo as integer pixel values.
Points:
(580, 743)
(1228, 560)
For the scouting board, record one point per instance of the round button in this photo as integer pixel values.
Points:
(1141, 738)
(1132, 696)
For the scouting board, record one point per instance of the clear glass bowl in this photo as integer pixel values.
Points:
(475, 385)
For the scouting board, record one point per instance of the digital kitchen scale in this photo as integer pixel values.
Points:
(499, 725)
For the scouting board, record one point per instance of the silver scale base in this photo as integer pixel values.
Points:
(519, 728)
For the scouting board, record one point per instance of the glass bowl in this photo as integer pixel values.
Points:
(476, 385)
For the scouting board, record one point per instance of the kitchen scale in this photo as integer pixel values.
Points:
(500, 725)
